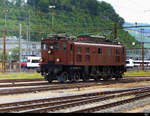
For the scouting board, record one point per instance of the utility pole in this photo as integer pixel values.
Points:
(20, 50)
(5, 19)
(27, 42)
(143, 56)
(115, 32)
(4, 50)
(29, 35)
(4, 42)
(142, 49)
(5, 11)
(52, 19)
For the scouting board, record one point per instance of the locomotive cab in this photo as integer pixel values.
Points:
(54, 52)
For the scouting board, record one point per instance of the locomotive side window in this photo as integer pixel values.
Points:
(99, 50)
(57, 46)
(44, 46)
(122, 50)
(87, 50)
(87, 58)
(79, 49)
(79, 58)
(71, 48)
(109, 51)
(117, 52)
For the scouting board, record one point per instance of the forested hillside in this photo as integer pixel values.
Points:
(72, 17)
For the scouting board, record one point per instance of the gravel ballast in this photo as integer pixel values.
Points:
(75, 91)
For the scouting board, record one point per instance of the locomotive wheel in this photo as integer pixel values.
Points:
(63, 77)
(85, 77)
(105, 78)
(97, 78)
(118, 77)
(48, 78)
(45, 77)
(76, 77)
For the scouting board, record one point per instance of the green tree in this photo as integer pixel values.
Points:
(1, 56)
(72, 17)
(15, 54)
(19, 3)
(33, 3)
(107, 12)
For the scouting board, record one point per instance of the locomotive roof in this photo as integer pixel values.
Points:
(81, 38)
(91, 36)
(60, 37)
(97, 44)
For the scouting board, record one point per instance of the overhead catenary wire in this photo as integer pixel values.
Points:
(92, 28)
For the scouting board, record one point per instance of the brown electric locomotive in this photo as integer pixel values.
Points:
(82, 58)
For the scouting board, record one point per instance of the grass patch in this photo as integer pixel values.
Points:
(20, 75)
(38, 75)
(136, 73)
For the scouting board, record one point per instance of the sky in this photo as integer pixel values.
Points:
(132, 10)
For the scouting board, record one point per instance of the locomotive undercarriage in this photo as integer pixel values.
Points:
(68, 73)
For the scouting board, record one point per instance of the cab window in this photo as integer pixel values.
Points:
(123, 51)
(79, 49)
(57, 46)
(71, 48)
(64, 46)
(44, 46)
(51, 46)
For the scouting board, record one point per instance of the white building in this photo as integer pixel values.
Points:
(28, 47)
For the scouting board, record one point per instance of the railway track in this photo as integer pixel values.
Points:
(13, 91)
(53, 86)
(23, 84)
(19, 80)
(109, 105)
(54, 104)
(38, 82)
(41, 79)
